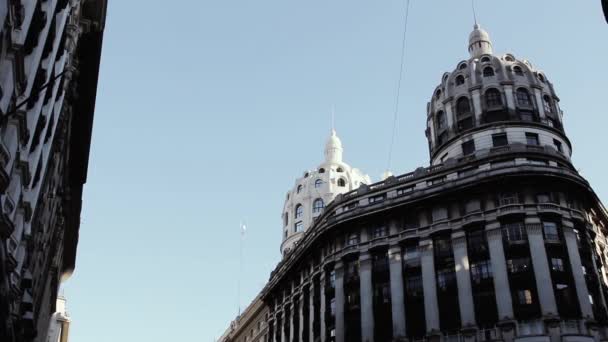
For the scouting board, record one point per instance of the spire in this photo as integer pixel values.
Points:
(333, 148)
(479, 42)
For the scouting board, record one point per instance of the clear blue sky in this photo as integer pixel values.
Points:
(208, 110)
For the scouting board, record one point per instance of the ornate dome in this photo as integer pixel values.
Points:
(492, 100)
(312, 192)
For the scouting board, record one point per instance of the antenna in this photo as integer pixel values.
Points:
(401, 70)
(333, 114)
(242, 229)
(474, 12)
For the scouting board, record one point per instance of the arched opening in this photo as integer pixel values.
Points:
(318, 183)
(517, 70)
(299, 188)
(317, 206)
(339, 169)
(494, 106)
(341, 182)
(299, 211)
(485, 59)
(321, 170)
(493, 98)
(464, 114)
(525, 106)
(438, 93)
(459, 80)
(488, 72)
(462, 66)
(441, 125)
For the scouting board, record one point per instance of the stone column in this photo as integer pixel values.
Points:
(509, 97)
(367, 297)
(339, 269)
(431, 308)
(322, 315)
(539, 101)
(397, 293)
(283, 325)
(502, 289)
(476, 96)
(448, 112)
(463, 279)
(292, 317)
(273, 338)
(311, 310)
(541, 267)
(577, 270)
(301, 317)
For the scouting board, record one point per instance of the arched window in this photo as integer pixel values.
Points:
(488, 71)
(462, 106)
(523, 98)
(305, 174)
(441, 123)
(485, 59)
(462, 66)
(493, 98)
(547, 104)
(321, 170)
(318, 183)
(299, 189)
(341, 182)
(299, 211)
(339, 169)
(286, 219)
(541, 78)
(317, 206)
(517, 70)
(459, 80)
(438, 93)
(509, 58)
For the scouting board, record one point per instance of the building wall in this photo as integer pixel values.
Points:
(47, 100)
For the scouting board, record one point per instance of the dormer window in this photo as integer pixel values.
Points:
(541, 77)
(318, 183)
(488, 72)
(517, 70)
(459, 80)
(509, 58)
(299, 188)
(321, 170)
(485, 59)
(438, 93)
(339, 169)
(462, 66)
(341, 182)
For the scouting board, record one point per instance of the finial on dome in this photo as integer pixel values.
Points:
(333, 148)
(479, 42)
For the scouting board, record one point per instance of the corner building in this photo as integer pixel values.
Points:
(500, 239)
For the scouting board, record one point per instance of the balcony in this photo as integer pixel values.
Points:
(550, 208)
(510, 209)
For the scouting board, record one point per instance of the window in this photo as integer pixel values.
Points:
(557, 265)
(341, 182)
(459, 80)
(509, 58)
(517, 70)
(299, 211)
(558, 145)
(317, 206)
(541, 77)
(518, 265)
(404, 191)
(481, 270)
(298, 227)
(285, 219)
(332, 307)
(493, 98)
(547, 197)
(299, 189)
(285, 233)
(318, 183)
(499, 139)
(380, 231)
(523, 98)
(339, 169)
(547, 104)
(376, 199)
(352, 239)
(441, 122)
(488, 72)
(462, 106)
(332, 279)
(550, 231)
(413, 285)
(524, 297)
(321, 170)
(485, 59)
(462, 66)
(468, 147)
(507, 198)
(532, 139)
(514, 232)
(445, 278)
(438, 93)
(410, 252)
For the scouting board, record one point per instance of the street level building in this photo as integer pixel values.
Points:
(49, 62)
(499, 239)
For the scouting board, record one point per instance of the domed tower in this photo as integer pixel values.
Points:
(490, 102)
(317, 188)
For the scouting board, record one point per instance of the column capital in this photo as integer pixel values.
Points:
(567, 223)
(494, 233)
(459, 238)
(394, 254)
(426, 246)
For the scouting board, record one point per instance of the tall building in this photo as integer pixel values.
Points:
(500, 238)
(49, 62)
(59, 328)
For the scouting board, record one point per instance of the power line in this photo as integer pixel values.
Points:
(401, 70)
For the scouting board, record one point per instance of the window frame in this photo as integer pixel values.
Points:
(497, 139)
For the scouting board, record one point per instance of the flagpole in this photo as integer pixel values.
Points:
(241, 236)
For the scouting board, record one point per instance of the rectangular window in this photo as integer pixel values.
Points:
(298, 226)
(558, 145)
(499, 139)
(410, 253)
(514, 232)
(524, 297)
(445, 278)
(468, 147)
(332, 279)
(435, 181)
(404, 191)
(379, 232)
(557, 264)
(532, 139)
(526, 116)
(518, 265)
(377, 199)
(481, 270)
(550, 231)
(352, 239)
(507, 198)
(413, 285)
